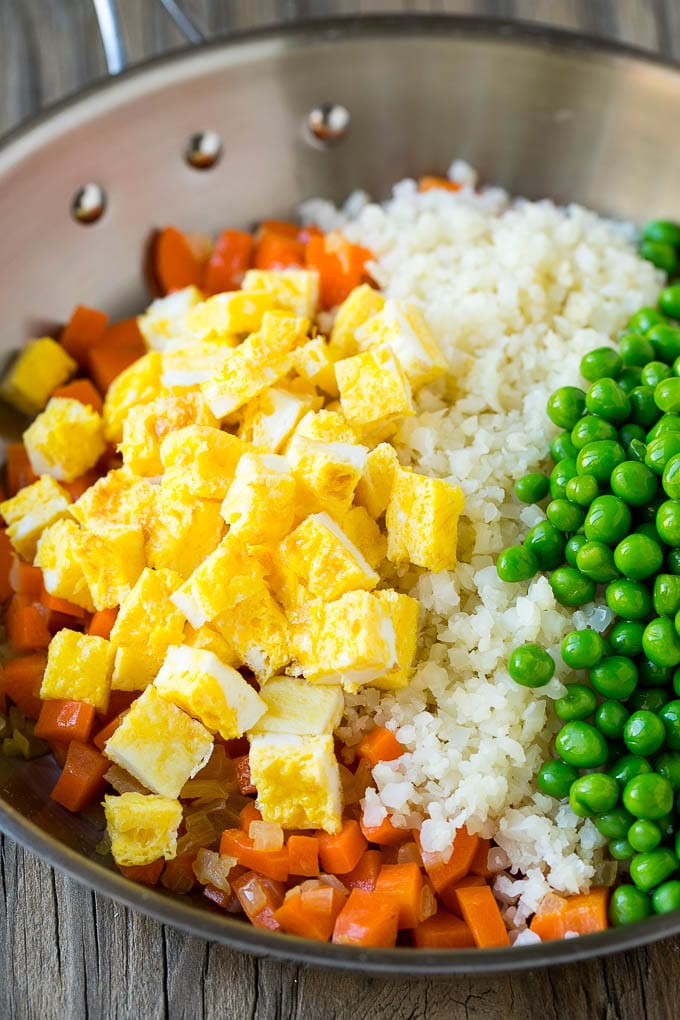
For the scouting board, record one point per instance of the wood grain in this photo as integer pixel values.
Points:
(68, 953)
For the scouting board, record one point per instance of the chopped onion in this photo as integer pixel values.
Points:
(200, 829)
(209, 788)
(335, 882)
(320, 898)
(213, 869)
(177, 880)
(122, 781)
(606, 873)
(551, 903)
(497, 859)
(266, 835)
(252, 896)
(409, 853)
(428, 903)
(219, 767)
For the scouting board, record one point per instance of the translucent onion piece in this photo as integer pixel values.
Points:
(200, 828)
(266, 835)
(219, 767)
(213, 869)
(177, 880)
(335, 882)
(320, 898)
(122, 781)
(428, 903)
(252, 896)
(551, 903)
(497, 859)
(409, 853)
(606, 873)
(208, 788)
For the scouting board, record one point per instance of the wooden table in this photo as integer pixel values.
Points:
(69, 953)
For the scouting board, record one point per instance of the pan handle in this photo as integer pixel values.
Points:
(112, 36)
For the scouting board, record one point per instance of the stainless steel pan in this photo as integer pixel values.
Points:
(538, 112)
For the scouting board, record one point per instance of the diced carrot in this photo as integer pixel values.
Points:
(124, 333)
(449, 894)
(178, 874)
(24, 578)
(106, 363)
(81, 484)
(175, 263)
(82, 779)
(21, 682)
(479, 865)
(6, 561)
(26, 625)
(249, 813)
(83, 391)
(65, 720)
(245, 784)
(443, 931)
(340, 264)
(404, 883)
(583, 914)
(271, 863)
(427, 183)
(364, 875)
(340, 852)
(102, 622)
(229, 261)
(84, 329)
(367, 919)
(284, 228)
(311, 912)
(59, 749)
(3, 703)
(236, 748)
(379, 744)
(276, 251)
(260, 896)
(102, 735)
(482, 916)
(303, 856)
(119, 701)
(148, 874)
(385, 834)
(18, 468)
(58, 605)
(442, 874)
(220, 897)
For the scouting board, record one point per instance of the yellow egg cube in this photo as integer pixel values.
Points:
(225, 314)
(296, 290)
(256, 628)
(269, 419)
(139, 383)
(39, 368)
(182, 532)
(33, 509)
(134, 668)
(142, 827)
(422, 521)
(200, 461)
(297, 780)
(314, 362)
(159, 744)
(402, 327)
(112, 561)
(326, 474)
(227, 575)
(78, 668)
(209, 639)
(359, 305)
(327, 426)
(363, 532)
(164, 319)
(196, 681)
(375, 485)
(148, 425)
(59, 556)
(296, 706)
(404, 612)
(148, 619)
(260, 502)
(373, 388)
(66, 440)
(195, 363)
(119, 498)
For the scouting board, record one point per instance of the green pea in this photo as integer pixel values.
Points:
(667, 765)
(532, 488)
(653, 674)
(593, 794)
(578, 703)
(547, 545)
(671, 476)
(581, 745)
(625, 638)
(571, 587)
(631, 431)
(636, 350)
(555, 777)
(644, 319)
(662, 231)
(628, 905)
(650, 869)
(564, 515)
(643, 733)
(606, 399)
(600, 458)
(644, 409)
(601, 363)
(673, 561)
(608, 520)
(614, 824)
(647, 528)
(628, 599)
(665, 339)
(660, 450)
(620, 849)
(562, 447)
(668, 522)
(637, 557)
(647, 699)
(669, 301)
(582, 490)
(637, 450)
(654, 373)
(516, 563)
(590, 429)
(666, 423)
(627, 767)
(560, 475)
(610, 719)
(614, 677)
(582, 649)
(667, 395)
(629, 378)
(661, 642)
(644, 835)
(571, 549)
(530, 665)
(676, 683)
(670, 717)
(648, 796)
(666, 594)
(661, 255)
(596, 561)
(666, 897)
(565, 406)
(634, 483)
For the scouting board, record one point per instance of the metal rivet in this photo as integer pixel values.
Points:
(88, 204)
(328, 123)
(203, 150)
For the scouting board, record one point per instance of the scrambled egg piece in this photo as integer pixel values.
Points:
(164, 319)
(32, 510)
(257, 630)
(159, 744)
(297, 780)
(326, 473)
(359, 305)
(422, 521)
(268, 420)
(402, 327)
(59, 557)
(225, 314)
(296, 290)
(375, 485)
(224, 578)
(148, 620)
(40, 367)
(195, 363)
(404, 613)
(196, 681)
(364, 533)
(200, 461)
(313, 361)
(119, 498)
(327, 426)
(65, 440)
(183, 531)
(350, 641)
(296, 706)
(147, 425)
(134, 668)
(78, 668)
(373, 388)
(139, 383)
(111, 562)
(211, 640)
(142, 827)
(260, 502)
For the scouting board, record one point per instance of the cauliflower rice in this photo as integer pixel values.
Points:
(515, 293)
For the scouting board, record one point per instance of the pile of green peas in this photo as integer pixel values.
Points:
(612, 503)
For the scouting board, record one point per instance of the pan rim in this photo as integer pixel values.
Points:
(27, 138)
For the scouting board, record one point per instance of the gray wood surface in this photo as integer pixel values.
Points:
(68, 953)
